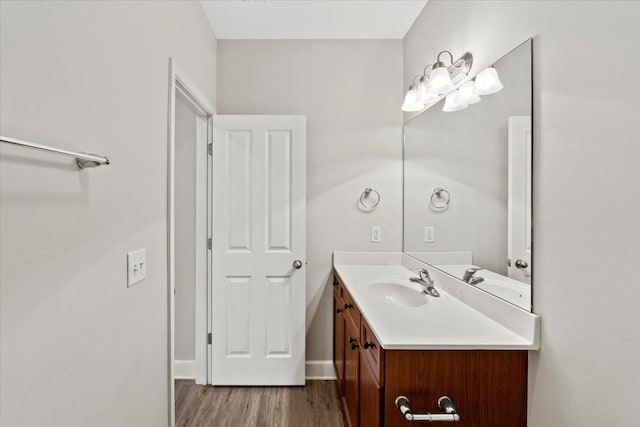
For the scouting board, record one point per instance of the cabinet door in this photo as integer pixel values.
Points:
(338, 340)
(351, 361)
(370, 396)
(488, 387)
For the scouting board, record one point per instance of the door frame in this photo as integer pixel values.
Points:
(179, 81)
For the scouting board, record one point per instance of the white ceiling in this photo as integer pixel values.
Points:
(311, 19)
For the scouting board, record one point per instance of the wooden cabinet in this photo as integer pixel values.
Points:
(351, 372)
(338, 337)
(488, 388)
(370, 397)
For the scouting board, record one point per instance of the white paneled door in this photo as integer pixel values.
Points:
(519, 206)
(259, 226)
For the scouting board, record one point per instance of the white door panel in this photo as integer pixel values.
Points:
(519, 209)
(259, 230)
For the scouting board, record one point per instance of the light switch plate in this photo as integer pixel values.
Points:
(376, 234)
(429, 234)
(136, 266)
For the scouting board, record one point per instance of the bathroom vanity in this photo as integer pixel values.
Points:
(441, 332)
(392, 340)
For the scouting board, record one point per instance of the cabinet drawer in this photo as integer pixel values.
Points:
(337, 286)
(373, 351)
(350, 309)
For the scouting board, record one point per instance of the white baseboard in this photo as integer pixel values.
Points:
(314, 370)
(320, 370)
(184, 369)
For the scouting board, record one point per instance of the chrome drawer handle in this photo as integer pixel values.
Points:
(444, 402)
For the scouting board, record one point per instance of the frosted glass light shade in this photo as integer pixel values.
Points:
(467, 94)
(488, 82)
(424, 96)
(439, 81)
(451, 104)
(411, 103)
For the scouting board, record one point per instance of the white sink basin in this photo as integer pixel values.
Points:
(397, 294)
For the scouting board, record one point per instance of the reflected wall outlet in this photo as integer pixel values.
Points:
(376, 234)
(136, 266)
(429, 234)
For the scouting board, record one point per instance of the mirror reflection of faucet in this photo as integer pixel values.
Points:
(426, 282)
(470, 277)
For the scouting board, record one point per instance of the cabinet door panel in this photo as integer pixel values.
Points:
(338, 340)
(488, 388)
(351, 361)
(370, 396)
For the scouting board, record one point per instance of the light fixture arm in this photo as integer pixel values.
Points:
(438, 58)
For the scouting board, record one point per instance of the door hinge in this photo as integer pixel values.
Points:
(210, 148)
(209, 243)
(209, 338)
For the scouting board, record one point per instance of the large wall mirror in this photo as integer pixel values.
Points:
(467, 185)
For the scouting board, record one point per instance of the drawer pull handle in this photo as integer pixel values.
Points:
(369, 345)
(354, 345)
(348, 306)
(444, 402)
(352, 340)
(339, 310)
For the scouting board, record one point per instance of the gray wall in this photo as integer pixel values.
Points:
(586, 176)
(350, 92)
(185, 232)
(78, 347)
(466, 152)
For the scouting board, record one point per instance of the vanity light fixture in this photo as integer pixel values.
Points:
(451, 103)
(411, 103)
(437, 80)
(467, 94)
(488, 82)
(424, 96)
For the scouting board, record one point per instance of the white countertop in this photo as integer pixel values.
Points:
(448, 322)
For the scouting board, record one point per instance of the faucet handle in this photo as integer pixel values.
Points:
(424, 274)
(469, 273)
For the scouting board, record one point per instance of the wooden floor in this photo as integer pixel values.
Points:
(316, 404)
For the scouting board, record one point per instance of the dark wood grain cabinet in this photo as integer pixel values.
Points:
(370, 410)
(488, 387)
(338, 336)
(351, 397)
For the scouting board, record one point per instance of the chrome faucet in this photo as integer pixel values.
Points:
(469, 276)
(426, 282)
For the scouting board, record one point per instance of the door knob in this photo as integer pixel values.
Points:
(521, 264)
(297, 264)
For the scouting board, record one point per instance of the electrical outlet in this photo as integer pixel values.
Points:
(376, 234)
(136, 266)
(429, 234)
